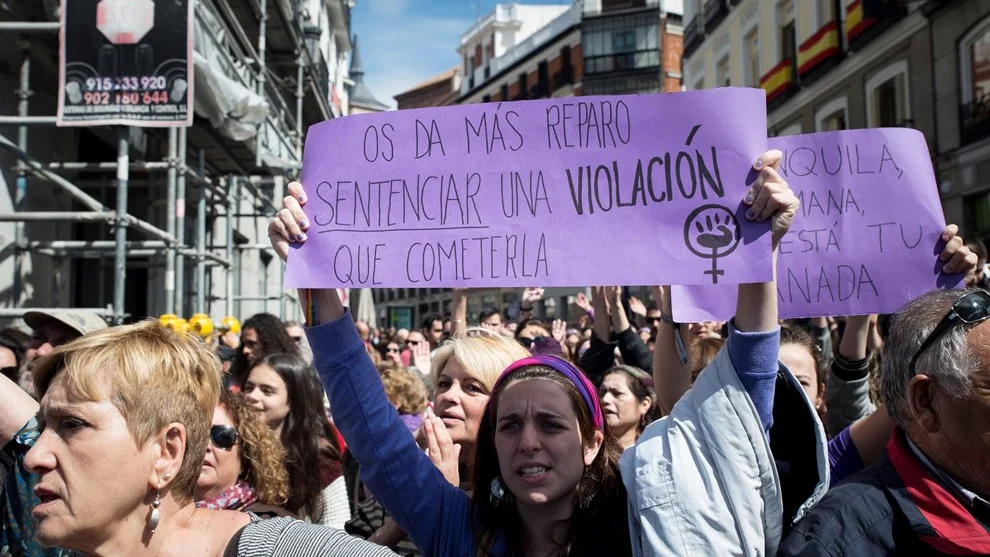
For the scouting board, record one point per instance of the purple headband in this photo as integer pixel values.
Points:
(584, 386)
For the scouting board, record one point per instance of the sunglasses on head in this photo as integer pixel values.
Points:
(971, 308)
(224, 436)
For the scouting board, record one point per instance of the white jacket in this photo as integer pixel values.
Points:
(702, 481)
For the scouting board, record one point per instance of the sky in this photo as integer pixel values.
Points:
(405, 42)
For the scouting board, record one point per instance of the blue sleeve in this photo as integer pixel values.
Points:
(403, 479)
(754, 356)
(843, 457)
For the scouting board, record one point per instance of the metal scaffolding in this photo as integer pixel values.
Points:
(226, 176)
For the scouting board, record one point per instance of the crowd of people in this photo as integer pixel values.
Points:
(621, 432)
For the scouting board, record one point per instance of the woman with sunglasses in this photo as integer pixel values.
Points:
(244, 467)
(532, 332)
(393, 353)
(546, 467)
(286, 390)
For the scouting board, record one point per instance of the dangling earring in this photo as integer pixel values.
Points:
(499, 495)
(154, 518)
(589, 491)
(497, 491)
(155, 515)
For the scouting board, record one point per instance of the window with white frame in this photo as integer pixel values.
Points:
(832, 116)
(751, 59)
(974, 64)
(887, 97)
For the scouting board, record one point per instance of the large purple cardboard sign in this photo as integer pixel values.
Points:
(565, 192)
(866, 238)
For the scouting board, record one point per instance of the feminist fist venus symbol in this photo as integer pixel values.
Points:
(711, 232)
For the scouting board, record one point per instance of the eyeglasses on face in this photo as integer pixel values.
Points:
(224, 436)
(971, 308)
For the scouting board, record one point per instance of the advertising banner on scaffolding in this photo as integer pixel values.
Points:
(126, 62)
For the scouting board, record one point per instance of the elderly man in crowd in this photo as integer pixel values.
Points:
(930, 493)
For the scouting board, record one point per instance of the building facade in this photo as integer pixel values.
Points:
(831, 65)
(631, 46)
(521, 52)
(961, 52)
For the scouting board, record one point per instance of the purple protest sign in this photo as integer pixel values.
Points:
(640, 189)
(867, 234)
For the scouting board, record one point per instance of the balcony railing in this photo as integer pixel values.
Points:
(693, 36)
(974, 120)
(715, 12)
(867, 19)
(813, 54)
(779, 81)
(623, 61)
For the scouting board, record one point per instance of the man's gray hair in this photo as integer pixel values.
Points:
(948, 361)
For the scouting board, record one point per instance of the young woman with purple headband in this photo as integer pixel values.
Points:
(546, 467)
